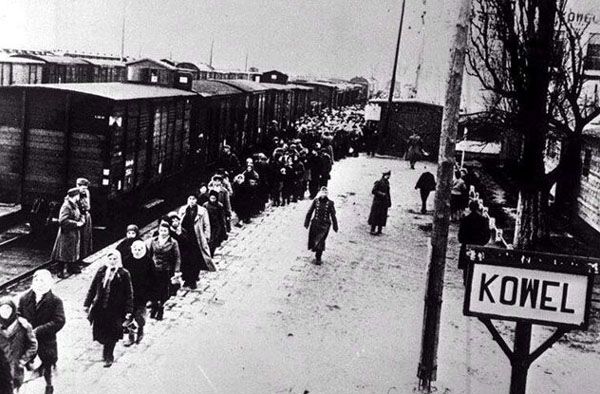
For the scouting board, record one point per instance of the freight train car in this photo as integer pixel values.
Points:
(214, 119)
(14, 70)
(125, 138)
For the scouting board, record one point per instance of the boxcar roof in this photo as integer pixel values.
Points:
(207, 88)
(299, 87)
(246, 85)
(17, 59)
(276, 86)
(67, 60)
(117, 91)
(104, 62)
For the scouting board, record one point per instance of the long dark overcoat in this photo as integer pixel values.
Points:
(47, 318)
(87, 244)
(142, 278)
(381, 202)
(202, 230)
(218, 230)
(324, 218)
(109, 306)
(67, 245)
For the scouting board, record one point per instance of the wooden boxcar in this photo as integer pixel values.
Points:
(253, 122)
(127, 139)
(62, 69)
(106, 70)
(213, 119)
(410, 116)
(18, 70)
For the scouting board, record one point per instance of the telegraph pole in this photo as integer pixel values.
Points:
(123, 33)
(427, 371)
(386, 121)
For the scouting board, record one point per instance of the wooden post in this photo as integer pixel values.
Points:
(385, 126)
(441, 219)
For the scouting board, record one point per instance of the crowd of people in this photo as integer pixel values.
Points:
(144, 273)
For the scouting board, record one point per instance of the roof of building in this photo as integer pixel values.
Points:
(104, 62)
(118, 91)
(208, 88)
(17, 59)
(300, 87)
(277, 86)
(66, 60)
(479, 147)
(204, 67)
(160, 63)
(246, 85)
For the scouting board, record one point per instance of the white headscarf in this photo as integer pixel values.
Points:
(113, 263)
(41, 284)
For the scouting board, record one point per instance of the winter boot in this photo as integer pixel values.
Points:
(130, 339)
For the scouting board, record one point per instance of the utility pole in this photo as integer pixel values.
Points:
(246, 63)
(212, 44)
(427, 371)
(123, 33)
(388, 114)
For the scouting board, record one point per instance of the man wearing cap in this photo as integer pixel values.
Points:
(66, 249)
(381, 203)
(44, 310)
(324, 217)
(84, 207)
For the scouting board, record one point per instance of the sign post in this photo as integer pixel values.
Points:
(528, 288)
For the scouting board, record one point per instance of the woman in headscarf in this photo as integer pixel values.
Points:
(140, 266)
(217, 222)
(132, 235)
(324, 217)
(45, 311)
(167, 265)
(17, 340)
(109, 304)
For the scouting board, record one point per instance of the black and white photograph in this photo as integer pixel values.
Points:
(299, 196)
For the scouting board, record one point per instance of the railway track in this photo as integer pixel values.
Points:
(22, 254)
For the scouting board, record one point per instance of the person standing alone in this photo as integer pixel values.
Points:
(324, 217)
(381, 203)
(425, 184)
(67, 246)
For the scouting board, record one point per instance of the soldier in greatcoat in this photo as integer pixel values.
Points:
(44, 310)
(67, 246)
(85, 208)
(324, 218)
(381, 203)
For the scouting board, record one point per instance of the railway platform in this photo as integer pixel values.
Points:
(270, 321)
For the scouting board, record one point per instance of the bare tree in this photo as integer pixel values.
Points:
(512, 42)
(570, 108)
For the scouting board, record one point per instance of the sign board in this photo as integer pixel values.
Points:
(372, 112)
(541, 288)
